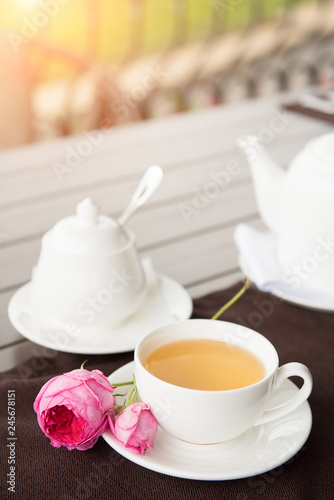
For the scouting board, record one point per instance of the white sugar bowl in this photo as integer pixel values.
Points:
(88, 275)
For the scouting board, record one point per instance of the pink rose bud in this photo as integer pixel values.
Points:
(135, 428)
(71, 408)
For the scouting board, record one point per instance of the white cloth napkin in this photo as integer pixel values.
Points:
(257, 259)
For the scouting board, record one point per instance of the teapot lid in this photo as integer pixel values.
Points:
(88, 232)
(323, 148)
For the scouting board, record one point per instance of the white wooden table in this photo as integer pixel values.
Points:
(187, 226)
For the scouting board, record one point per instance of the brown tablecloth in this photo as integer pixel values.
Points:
(44, 472)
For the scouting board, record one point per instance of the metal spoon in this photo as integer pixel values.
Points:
(147, 186)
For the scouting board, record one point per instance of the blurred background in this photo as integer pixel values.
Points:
(67, 66)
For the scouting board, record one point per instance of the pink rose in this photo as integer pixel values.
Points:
(135, 428)
(71, 408)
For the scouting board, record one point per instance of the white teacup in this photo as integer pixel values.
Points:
(205, 416)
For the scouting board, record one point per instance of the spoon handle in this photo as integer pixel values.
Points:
(147, 186)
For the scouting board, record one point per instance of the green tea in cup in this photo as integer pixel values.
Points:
(207, 365)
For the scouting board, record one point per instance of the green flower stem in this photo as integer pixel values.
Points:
(123, 383)
(234, 299)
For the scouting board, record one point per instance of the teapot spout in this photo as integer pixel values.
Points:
(268, 181)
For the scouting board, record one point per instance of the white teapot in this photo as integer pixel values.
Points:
(88, 275)
(297, 205)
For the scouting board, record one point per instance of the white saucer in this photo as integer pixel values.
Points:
(166, 301)
(258, 450)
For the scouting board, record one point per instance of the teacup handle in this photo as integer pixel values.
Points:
(284, 372)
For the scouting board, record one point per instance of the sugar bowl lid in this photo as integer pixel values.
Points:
(88, 232)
